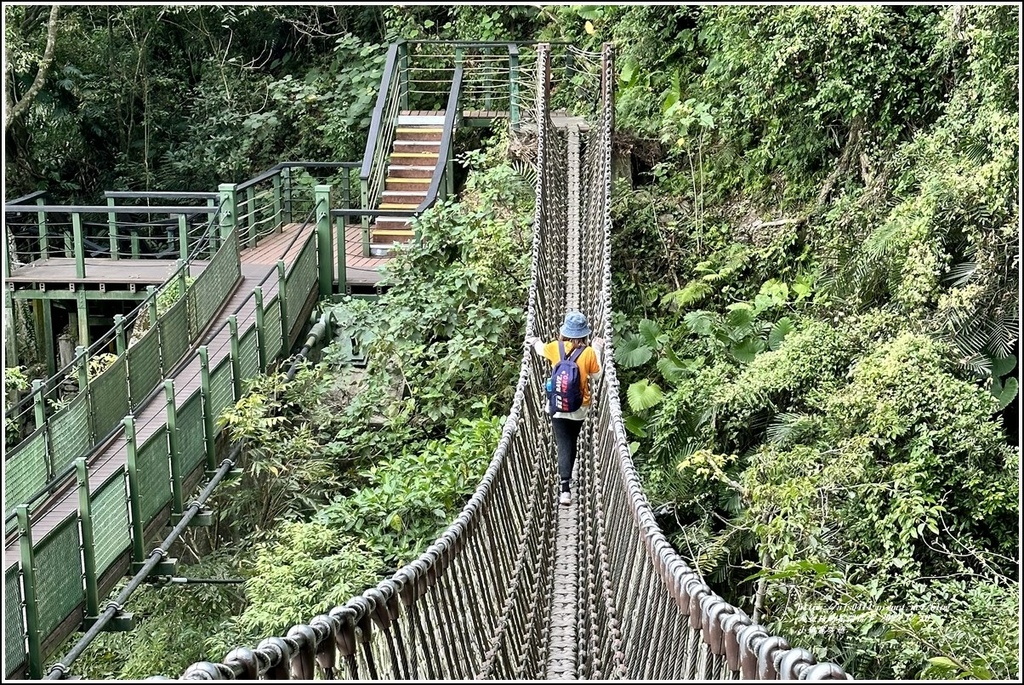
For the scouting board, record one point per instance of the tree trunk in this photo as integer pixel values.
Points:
(16, 109)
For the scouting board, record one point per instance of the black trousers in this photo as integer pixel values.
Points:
(566, 431)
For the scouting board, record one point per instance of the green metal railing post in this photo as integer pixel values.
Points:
(28, 573)
(228, 209)
(487, 72)
(92, 594)
(250, 213)
(322, 196)
(119, 334)
(182, 278)
(282, 296)
(151, 298)
(236, 359)
(112, 229)
(286, 197)
(82, 308)
(44, 241)
(364, 220)
(278, 206)
(346, 190)
(134, 491)
(403, 75)
(339, 229)
(177, 477)
(513, 86)
(76, 227)
(261, 348)
(208, 417)
(182, 236)
(82, 365)
(39, 407)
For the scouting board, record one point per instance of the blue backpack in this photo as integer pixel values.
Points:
(565, 391)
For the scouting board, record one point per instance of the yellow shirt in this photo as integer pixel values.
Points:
(588, 363)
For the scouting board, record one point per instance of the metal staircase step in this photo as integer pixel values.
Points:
(410, 171)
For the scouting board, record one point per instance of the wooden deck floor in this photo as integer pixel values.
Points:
(60, 271)
(360, 270)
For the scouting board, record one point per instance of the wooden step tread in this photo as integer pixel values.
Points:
(419, 129)
(416, 155)
(393, 232)
(398, 205)
(404, 193)
(411, 167)
(399, 179)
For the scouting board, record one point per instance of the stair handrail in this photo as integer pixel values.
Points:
(450, 112)
(369, 171)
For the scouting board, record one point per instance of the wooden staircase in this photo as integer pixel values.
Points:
(413, 159)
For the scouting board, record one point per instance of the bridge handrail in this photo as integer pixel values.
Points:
(195, 320)
(25, 199)
(390, 65)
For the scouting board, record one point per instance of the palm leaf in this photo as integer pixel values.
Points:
(779, 331)
(632, 351)
(643, 395)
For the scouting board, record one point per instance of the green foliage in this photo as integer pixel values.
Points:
(323, 568)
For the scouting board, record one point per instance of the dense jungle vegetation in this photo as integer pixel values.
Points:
(817, 310)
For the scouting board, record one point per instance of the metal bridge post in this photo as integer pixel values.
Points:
(282, 296)
(208, 417)
(278, 206)
(403, 75)
(177, 477)
(261, 343)
(339, 230)
(28, 572)
(82, 364)
(151, 298)
(44, 242)
(322, 195)
(250, 214)
(182, 237)
(92, 597)
(286, 197)
(76, 227)
(39, 407)
(236, 362)
(513, 86)
(485, 61)
(134, 492)
(364, 219)
(119, 335)
(112, 229)
(228, 209)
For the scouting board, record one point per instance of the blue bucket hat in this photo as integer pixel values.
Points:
(575, 326)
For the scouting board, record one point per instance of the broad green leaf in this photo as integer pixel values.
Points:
(632, 351)
(649, 331)
(1008, 392)
(630, 69)
(670, 370)
(746, 350)
(700, 322)
(780, 330)
(590, 11)
(643, 395)
(636, 426)
(1003, 366)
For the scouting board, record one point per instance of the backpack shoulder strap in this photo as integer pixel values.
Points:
(575, 354)
(561, 350)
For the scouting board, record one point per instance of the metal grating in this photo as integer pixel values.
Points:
(300, 281)
(215, 283)
(191, 433)
(58, 589)
(25, 470)
(109, 398)
(272, 329)
(154, 474)
(69, 432)
(174, 338)
(14, 623)
(222, 389)
(110, 521)
(144, 367)
(248, 354)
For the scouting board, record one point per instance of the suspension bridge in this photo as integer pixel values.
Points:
(517, 587)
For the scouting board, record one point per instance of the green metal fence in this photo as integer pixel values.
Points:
(47, 585)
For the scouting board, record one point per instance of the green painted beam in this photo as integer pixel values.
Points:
(32, 294)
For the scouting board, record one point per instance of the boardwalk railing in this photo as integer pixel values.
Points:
(79, 232)
(108, 529)
(65, 428)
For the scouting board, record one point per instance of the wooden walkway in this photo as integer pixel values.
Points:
(258, 268)
(60, 271)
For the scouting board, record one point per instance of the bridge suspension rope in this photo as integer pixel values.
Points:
(518, 587)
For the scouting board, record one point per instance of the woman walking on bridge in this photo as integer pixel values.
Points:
(568, 406)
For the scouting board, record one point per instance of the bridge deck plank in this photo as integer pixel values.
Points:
(61, 270)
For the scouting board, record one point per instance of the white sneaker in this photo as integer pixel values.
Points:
(565, 498)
